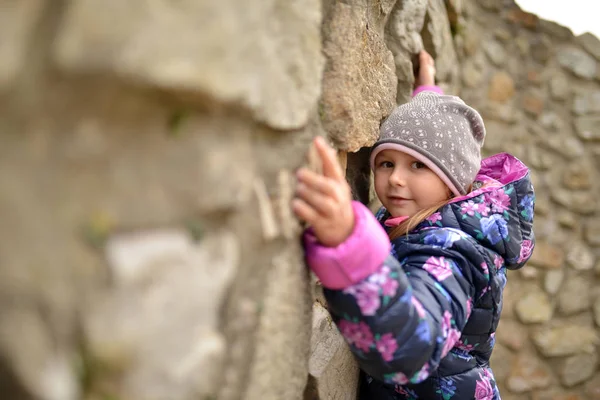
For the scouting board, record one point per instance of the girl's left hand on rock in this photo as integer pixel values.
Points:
(325, 201)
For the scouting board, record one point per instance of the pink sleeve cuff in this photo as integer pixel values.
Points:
(353, 260)
(430, 88)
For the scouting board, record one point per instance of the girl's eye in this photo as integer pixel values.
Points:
(418, 165)
(386, 164)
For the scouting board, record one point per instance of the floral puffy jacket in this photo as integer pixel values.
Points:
(420, 313)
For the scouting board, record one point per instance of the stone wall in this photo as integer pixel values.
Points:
(147, 150)
(538, 87)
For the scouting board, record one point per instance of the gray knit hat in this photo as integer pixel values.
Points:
(439, 130)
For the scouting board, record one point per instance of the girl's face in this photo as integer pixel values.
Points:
(405, 185)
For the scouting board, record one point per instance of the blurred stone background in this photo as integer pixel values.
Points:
(147, 152)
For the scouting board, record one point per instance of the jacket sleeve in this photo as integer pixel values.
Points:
(404, 316)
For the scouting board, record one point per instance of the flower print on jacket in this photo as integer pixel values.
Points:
(386, 345)
(369, 293)
(498, 200)
(357, 334)
(435, 218)
(494, 228)
(438, 267)
(483, 388)
(526, 250)
(450, 335)
(470, 208)
(447, 388)
(367, 297)
(443, 238)
(486, 270)
(527, 204)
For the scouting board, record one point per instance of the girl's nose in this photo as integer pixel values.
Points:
(398, 177)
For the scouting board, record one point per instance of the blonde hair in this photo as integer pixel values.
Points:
(411, 223)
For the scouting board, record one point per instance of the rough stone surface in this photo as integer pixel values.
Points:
(580, 256)
(359, 66)
(578, 62)
(271, 375)
(587, 103)
(558, 341)
(591, 43)
(569, 147)
(575, 296)
(528, 373)
(559, 87)
(331, 363)
(592, 231)
(587, 127)
(546, 255)
(17, 23)
(153, 268)
(553, 281)
(495, 52)
(511, 334)
(501, 88)
(437, 37)
(534, 308)
(597, 311)
(581, 202)
(578, 368)
(152, 44)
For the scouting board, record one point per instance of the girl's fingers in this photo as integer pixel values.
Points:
(322, 204)
(331, 166)
(316, 182)
(304, 211)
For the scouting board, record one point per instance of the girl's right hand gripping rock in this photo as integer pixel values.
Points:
(325, 201)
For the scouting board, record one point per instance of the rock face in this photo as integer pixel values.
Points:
(147, 158)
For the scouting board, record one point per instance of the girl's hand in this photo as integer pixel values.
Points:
(325, 201)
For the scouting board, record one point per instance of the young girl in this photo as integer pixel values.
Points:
(416, 290)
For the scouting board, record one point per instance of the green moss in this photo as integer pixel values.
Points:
(97, 229)
(176, 121)
(195, 228)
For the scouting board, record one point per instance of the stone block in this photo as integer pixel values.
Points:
(556, 30)
(528, 373)
(526, 19)
(533, 104)
(578, 62)
(18, 20)
(264, 56)
(280, 362)
(359, 66)
(557, 341)
(495, 52)
(575, 295)
(587, 127)
(578, 368)
(592, 231)
(331, 364)
(534, 308)
(587, 102)
(580, 257)
(584, 203)
(501, 87)
(437, 38)
(559, 87)
(511, 334)
(591, 43)
(553, 281)
(578, 176)
(546, 255)
(156, 329)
